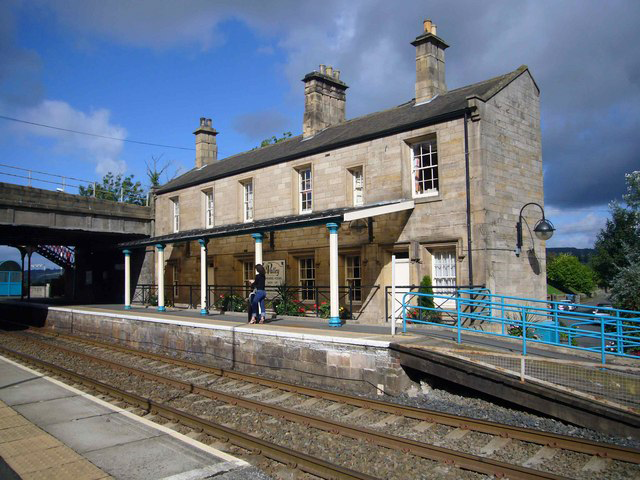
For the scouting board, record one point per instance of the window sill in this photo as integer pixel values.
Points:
(428, 199)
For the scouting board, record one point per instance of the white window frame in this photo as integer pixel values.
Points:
(353, 276)
(248, 274)
(305, 190)
(247, 200)
(209, 208)
(444, 270)
(307, 283)
(358, 186)
(424, 169)
(175, 202)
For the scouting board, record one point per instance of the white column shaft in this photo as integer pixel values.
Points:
(203, 277)
(333, 278)
(258, 252)
(160, 278)
(127, 281)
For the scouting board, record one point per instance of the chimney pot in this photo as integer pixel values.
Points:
(324, 100)
(430, 74)
(206, 147)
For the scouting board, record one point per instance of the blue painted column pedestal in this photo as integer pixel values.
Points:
(203, 276)
(127, 279)
(160, 250)
(334, 318)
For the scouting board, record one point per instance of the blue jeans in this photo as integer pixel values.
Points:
(257, 304)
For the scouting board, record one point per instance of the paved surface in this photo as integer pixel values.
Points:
(49, 430)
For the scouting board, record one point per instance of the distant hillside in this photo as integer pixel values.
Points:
(583, 254)
(40, 277)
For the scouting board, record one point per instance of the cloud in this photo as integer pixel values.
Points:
(576, 227)
(579, 51)
(260, 125)
(20, 68)
(104, 153)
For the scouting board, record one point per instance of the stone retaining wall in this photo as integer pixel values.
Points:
(321, 361)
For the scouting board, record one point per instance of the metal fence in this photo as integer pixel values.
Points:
(609, 331)
(282, 300)
(613, 385)
(446, 297)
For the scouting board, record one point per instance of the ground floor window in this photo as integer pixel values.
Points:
(353, 276)
(307, 277)
(444, 270)
(248, 274)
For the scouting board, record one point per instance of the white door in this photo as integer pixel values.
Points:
(403, 280)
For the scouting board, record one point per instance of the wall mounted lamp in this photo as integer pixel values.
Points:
(544, 228)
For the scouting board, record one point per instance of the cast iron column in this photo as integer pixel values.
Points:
(334, 319)
(127, 279)
(203, 276)
(160, 249)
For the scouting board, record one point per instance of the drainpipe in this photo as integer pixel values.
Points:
(468, 187)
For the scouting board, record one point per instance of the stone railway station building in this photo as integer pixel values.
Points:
(438, 181)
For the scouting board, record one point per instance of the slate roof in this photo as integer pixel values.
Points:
(407, 116)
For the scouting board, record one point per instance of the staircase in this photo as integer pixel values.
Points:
(60, 255)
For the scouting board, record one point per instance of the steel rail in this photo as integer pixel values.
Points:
(291, 458)
(553, 440)
(430, 452)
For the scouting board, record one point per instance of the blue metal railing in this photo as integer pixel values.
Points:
(610, 331)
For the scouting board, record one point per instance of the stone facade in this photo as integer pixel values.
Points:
(500, 129)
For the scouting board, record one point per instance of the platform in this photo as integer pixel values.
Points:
(49, 430)
(567, 384)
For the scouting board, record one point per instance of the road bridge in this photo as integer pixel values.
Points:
(34, 219)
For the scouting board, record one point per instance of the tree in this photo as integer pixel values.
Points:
(273, 140)
(567, 271)
(154, 173)
(616, 243)
(116, 188)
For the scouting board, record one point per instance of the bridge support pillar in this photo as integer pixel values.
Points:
(127, 279)
(203, 276)
(334, 318)
(160, 250)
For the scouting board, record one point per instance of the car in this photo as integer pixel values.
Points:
(565, 305)
(603, 309)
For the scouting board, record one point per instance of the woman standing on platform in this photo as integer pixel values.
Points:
(257, 304)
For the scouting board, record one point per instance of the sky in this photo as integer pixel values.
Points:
(146, 71)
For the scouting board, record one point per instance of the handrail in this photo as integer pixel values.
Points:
(617, 333)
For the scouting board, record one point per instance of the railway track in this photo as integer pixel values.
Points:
(473, 445)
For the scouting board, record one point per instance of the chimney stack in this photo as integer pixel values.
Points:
(206, 147)
(324, 100)
(429, 64)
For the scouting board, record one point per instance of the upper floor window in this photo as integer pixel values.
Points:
(306, 190)
(176, 214)
(424, 169)
(358, 186)
(208, 208)
(247, 201)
